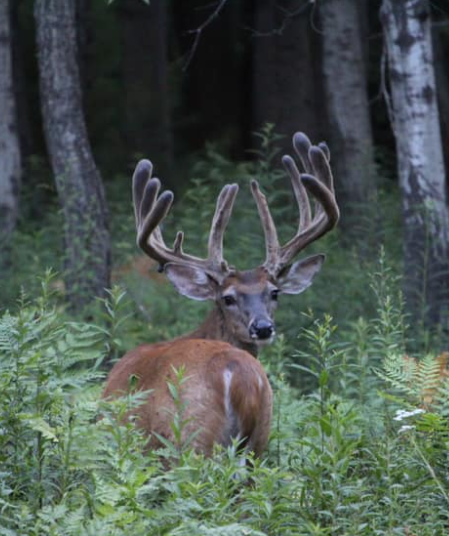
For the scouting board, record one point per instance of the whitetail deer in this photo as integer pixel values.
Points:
(227, 392)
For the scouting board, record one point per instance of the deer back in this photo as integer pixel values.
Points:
(226, 391)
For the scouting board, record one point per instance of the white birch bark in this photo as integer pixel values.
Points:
(348, 108)
(10, 157)
(415, 121)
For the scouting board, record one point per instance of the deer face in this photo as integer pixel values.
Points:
(247, 300)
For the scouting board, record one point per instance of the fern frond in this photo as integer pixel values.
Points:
(399, 371)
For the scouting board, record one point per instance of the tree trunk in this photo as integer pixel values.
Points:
(10, 156)
(78, 181)
(416, 127)
(442, 84)
(211, 101)
(286, 88)
(347, 104)
(82, 12)
(145, 75)
(21, 83)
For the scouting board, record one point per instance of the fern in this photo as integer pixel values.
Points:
(442, 398)
(201, 529)
(399, 373)
(423, 382)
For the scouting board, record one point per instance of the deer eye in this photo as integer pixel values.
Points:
(274, 294)
(229, 300)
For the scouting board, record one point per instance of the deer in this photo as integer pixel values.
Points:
(227, 393)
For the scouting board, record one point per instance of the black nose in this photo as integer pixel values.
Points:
(261, 329)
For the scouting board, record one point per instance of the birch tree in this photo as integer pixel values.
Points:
(10, 156)
(347, 104)
(78, 181)
(442, 84)
(415, 121)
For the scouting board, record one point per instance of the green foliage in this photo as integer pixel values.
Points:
(342, 459)
(115, 313)
(359, 434)
(175, 451)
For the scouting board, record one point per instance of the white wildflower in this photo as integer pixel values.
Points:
(405, 428)
(402, 414)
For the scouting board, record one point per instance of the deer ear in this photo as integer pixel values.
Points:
(299, 275)
(191, 281)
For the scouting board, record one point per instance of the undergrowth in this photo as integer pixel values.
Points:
(364, 452)
(359, 435)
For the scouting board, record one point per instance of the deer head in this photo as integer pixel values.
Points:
(245, 300)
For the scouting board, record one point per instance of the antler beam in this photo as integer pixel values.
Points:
(150, 209)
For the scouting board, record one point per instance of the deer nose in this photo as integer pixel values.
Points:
(261, 329)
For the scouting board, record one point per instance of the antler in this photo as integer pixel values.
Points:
(150, 209)
(318, 180)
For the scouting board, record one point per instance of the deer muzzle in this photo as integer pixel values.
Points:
(261, 329)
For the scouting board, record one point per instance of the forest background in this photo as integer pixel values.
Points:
(212, 93)
(130, 80)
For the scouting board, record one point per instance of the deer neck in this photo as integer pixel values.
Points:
(214, 328)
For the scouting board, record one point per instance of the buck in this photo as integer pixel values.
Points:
(227, 393)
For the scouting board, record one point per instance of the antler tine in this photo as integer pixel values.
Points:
(269, 229)
(149, 237)
(321, 167)
(150, 194)
(305, 213)
(323, 146)
(223, 210)
(141, 176)
(302, 145)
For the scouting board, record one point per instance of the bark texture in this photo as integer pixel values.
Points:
(442, 84)
(78, 181)
(416, 127)
(347, 104)
(83, 37)
(286, 84)
(21, 81)
(147, 109)
(10, 156)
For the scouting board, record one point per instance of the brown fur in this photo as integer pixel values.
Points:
(205, 363)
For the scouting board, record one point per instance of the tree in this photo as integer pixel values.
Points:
(78, 181)
(10, 155)
(213, 100)
(442, 83)
(286, 88)
(21, 83)
(147, 107)
(415, 121)
(348, 108)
